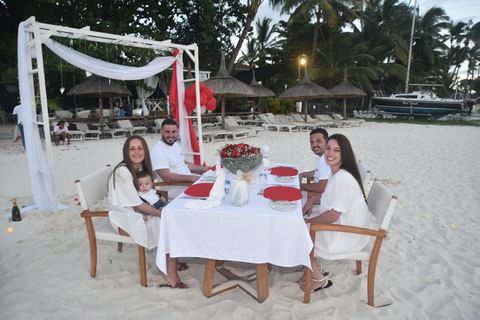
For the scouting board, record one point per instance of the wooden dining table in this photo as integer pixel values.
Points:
(254, 233)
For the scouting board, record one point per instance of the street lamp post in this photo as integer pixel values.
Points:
(301, 61)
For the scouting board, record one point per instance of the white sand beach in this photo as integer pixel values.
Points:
(426, 268)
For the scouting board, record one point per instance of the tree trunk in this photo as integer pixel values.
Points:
(251, 13)
(315, 39)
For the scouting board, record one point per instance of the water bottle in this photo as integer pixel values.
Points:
(262, 180)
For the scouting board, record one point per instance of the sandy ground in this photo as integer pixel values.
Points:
(426, 269)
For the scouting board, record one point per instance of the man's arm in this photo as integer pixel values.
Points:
(318, 187)
(307, 174)
(168, 176)
(196, 168)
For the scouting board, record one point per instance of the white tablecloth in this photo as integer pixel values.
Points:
(254, 233)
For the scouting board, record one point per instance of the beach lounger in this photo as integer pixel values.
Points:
(317, 123)
(84, 114)
(302, 126)
(353, 122)
(273, 122)
(88, 133)
(126, 124)
(76, 134)
(335, 123)
(158, 125)
(381, 203)
(114, 132)
(231, 124)
(92, 189)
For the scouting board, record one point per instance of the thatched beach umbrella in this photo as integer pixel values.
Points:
(305, 90)
(223, 85)
(346, 90)
(99, 87)
(259, 91)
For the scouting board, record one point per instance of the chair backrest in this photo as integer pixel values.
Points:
(284, 119)
(269, 114)
(381, 203)
(273, 120)
(124, 124)
(63, 114)
(84, 114)
(93, 187)
(231, 123)
(356, 114)
(338, 116)
(297, 117)
(324, 117)
(262, 116)
(364, 173)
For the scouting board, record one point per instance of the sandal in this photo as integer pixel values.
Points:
(181, 266)
(327, 284)
(324, 272)
(178, 285)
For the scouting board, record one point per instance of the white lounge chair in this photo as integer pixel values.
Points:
(59, 114)
(231, 124)
(335, 123)
(273, 122)
(158, 125)
(315, 122)
(353, 122)
(78, 134)
(84, 114)
(126, 124)
(88, 133)
(302, 126)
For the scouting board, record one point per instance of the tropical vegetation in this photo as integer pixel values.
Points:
(363, 36)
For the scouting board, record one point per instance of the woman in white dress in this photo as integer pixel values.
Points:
(343, 202)
(128, 214)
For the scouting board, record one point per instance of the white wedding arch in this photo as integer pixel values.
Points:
(31, 36)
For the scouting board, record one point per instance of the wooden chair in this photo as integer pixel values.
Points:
(381, 203)
(91, 189)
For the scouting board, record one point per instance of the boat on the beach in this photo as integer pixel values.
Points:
(421, 103)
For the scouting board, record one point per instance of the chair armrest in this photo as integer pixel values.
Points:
(337, 227)
(90, 214)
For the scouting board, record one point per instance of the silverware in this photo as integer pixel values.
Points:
(192, 198)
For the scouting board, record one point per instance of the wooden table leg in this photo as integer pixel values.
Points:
(262, 281)
(208, 277)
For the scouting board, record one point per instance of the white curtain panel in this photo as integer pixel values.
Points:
(144, 94)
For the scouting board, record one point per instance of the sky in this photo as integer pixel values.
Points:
(458, 10)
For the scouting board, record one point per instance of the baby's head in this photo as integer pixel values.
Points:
(145, 181)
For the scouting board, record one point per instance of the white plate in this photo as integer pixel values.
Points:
(209, 177)
(284, 206)
(285, 179)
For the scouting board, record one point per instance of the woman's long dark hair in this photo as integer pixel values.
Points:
(127, 162)
(349, 163)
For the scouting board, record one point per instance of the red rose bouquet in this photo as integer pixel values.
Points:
(241, 157)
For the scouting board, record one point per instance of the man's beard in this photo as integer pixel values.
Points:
(167, 143)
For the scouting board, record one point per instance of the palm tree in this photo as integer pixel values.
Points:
(266, 39)
(252, 8)
(325, 12)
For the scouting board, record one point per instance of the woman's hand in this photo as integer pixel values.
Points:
(307, 208)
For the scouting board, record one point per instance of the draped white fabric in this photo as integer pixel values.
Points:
(182, 120)
(144, 94)
(41, 180)
(107, 69)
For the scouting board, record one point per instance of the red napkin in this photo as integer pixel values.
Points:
(199, 190)
(284, 171)
(215, 167)
(282, 193)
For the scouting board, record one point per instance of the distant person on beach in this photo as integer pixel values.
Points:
(168, 161)
(147, 193)
(318, 142)
(18, 118)
(60, 132)
(343, 203)
(128, 214)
